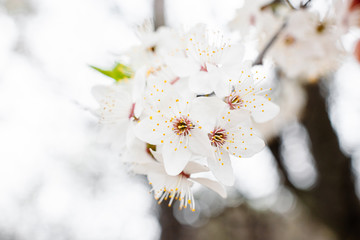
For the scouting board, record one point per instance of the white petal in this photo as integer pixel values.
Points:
(232, 59)
(220, 165)
(193, 167)
(213, 185)
(157, 154)
(232, 118)
(263, 109)
(220, 81)
(245, 82)
(101, 92)
(152, 129)
(199, 142)
(244, 143)
(157, 178)
(181, 66)
(206, 110)
(201, 82)
(175, 156)
(139, 83)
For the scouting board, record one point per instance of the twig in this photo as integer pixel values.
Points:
(290, 4)
(159, 13)
(259, 59)
(275, 148)
(305, 5)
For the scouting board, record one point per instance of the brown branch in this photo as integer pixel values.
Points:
(333, 199)
(305, 5)
(170, 227)
(159, 13)
(275, 148)
(290, 5)
(260, 57)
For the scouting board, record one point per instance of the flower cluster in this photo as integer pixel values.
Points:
(188, 107)
(309, 42)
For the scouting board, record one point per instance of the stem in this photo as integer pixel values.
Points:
(259, 59)
(305, 5)
(290, 5)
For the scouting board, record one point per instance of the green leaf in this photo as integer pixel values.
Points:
(119, 72)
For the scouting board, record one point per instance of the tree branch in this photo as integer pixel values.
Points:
(159, 13)
(275, 148)
(290, 5)
(333, 199)
(260, 57)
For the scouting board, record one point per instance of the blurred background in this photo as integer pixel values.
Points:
(58, 182)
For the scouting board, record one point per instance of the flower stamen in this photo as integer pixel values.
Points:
(217, 137)
(234, 101)
(182, 126)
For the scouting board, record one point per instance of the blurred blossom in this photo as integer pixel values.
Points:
(258, 20)
(309, 47)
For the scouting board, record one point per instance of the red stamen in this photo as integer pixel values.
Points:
(131, 115)
(203, 68)
(175, 80)
(184, 174)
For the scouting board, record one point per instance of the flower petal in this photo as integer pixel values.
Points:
(221, 83)
(263, 109)
(220, 165)
(176, 155)
(232, 59)
(232, 118)
(202, 82)
(182, 66)
(213, 185)
(244, 143)
(199, 142)
(206, 111)
(152, 129)
(194, 167)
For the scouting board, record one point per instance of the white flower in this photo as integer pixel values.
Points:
(170, 123)
(177, 187)
(246, 93)
(154, 44)
(229, 134)
(257, 19)
(308, 48)
(117, 110)
(347, 14)
(207, 60)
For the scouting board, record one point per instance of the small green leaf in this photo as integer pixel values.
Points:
(119, 72)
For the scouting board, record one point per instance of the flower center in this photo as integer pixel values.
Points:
(234, 101)
(217, 137)
(182, 126)
(152, 48)
(132, 113)
(183, 174)
(320, 28)
(289, 40)
(203, 68)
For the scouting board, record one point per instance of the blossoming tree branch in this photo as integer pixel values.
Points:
(187, 103)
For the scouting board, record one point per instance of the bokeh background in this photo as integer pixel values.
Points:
(57, 181)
